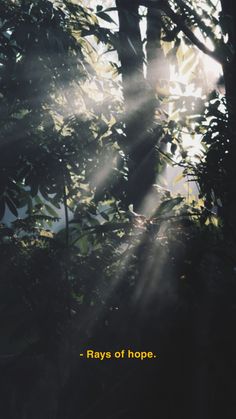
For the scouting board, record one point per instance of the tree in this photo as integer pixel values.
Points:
(140, 101)
(182, 17)
(110, 276)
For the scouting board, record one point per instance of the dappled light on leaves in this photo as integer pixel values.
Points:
(117, 199)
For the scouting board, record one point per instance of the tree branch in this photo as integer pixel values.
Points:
(164, 6)
(201, 24)
(190, 35)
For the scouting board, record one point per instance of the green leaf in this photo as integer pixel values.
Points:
(84, 245)
(178, 178)
(51, 211)
(168, 205)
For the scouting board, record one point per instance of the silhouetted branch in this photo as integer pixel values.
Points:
(178, 20)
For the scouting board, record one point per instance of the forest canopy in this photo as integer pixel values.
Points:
(117, 168)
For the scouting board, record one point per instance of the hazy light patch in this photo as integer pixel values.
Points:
(152, 280)
(213, 71)
(181, 83)
(100, 177)
(128, 254)
(178, 183)
(190, 142)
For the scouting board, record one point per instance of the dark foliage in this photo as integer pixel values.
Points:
(79, 268)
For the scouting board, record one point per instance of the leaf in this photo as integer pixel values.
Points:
(46, 233)
(30, 206)
(173, 148)
(105, 16)
(34, 189)
(105, 216)
(168, 205)
(51, 211)
(110, 9)
(84, 245)
(178, 178)
(167, 47)
(180, 54)
(188, 65)
(11, 206)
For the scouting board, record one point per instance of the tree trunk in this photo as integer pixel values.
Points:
(229, 204)
(140, 102)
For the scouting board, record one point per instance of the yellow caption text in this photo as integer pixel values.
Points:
(122, 354)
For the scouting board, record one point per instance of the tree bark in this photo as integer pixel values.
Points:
(140, 102)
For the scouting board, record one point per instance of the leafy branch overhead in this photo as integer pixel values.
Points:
(96, 106)
(185, 18)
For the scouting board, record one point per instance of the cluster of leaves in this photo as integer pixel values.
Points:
(58, 117)
(198, 25)
(52, 139)
(196, 112)
(44, 282)
(39, 60)
(33, 288)
(213, 171)
(44, 67)
(53, 134)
